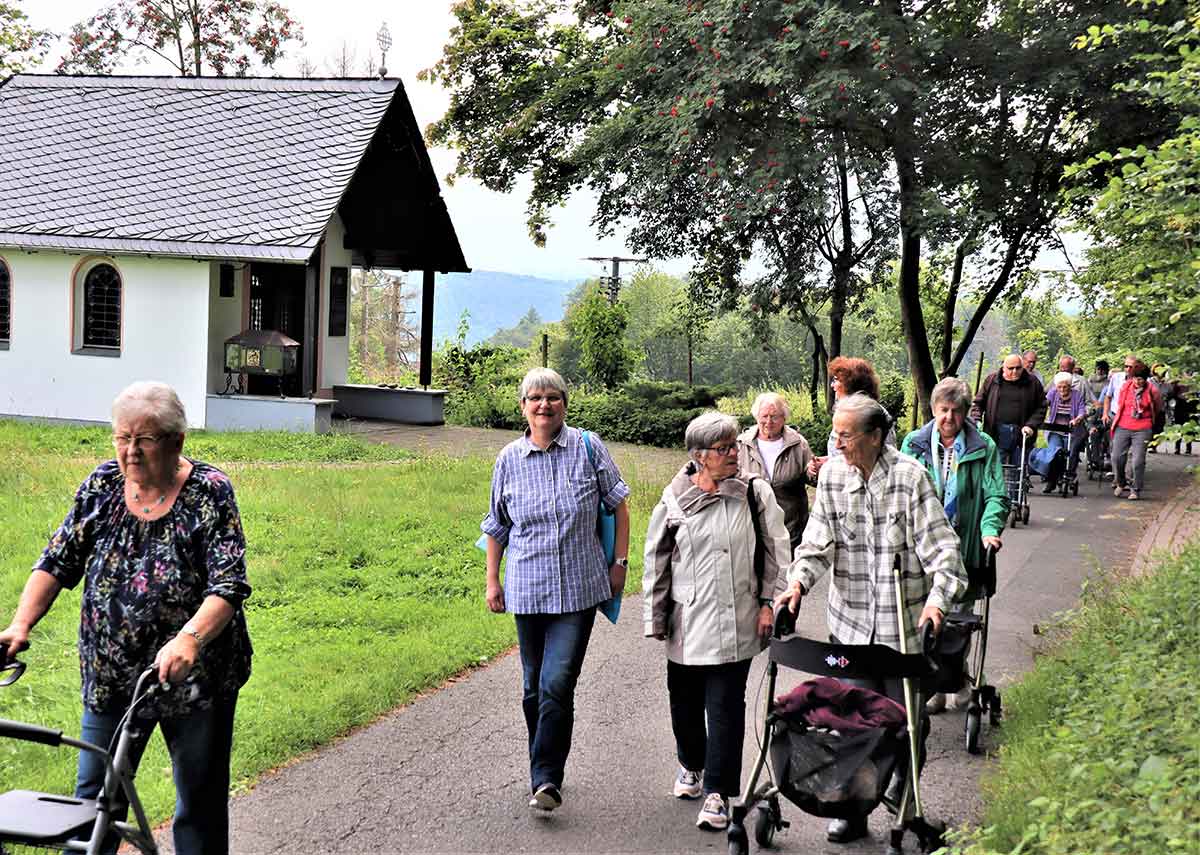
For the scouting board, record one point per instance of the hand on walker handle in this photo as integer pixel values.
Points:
(993, 542)
(933, 615)
(791, 596)
(1027, 430)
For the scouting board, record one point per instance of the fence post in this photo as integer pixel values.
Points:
(545, 350)
(979, 372)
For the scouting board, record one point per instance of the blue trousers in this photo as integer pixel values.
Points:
(199, 745)
(552, 650)
(714, 695)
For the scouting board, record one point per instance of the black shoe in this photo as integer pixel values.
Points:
(1050, 487)
(846, 830)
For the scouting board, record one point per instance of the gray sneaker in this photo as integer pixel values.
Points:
(714, 814)
(687, 784)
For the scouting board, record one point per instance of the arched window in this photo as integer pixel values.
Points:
(5, 304)
(98, 309)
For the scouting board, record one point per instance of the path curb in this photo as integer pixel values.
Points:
(1177, 524)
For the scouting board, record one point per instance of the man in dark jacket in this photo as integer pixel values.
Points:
(1010, 402)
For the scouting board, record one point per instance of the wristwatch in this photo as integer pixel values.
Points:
(624, 562)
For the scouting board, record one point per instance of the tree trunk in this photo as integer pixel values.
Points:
(844, 262)
(960, 254)
(916, 340)
(393, 345)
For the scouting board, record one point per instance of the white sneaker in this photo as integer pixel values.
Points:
(714, 814)
(547, 797)
(687, 784)
(1118, 490)
(936, 703)
(959, 700)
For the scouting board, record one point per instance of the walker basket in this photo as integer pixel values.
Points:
(825, 773)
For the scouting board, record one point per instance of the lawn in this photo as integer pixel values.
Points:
(367, 588)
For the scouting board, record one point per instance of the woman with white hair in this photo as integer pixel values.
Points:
(875, 505)
(547, 487)
(714, 549)
(157, 541)
(779, 454)
(1066, 410)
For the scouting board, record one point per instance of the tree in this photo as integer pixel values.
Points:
(191, 35)
(599, 326)
(522, 334)
(1142, 282)
(20, 44)
(709, 129)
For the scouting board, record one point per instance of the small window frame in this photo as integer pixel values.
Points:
(78, 309)
(6, 301)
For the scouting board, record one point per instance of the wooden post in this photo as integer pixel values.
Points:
(979, 373)
(427, 329)
(545, 350)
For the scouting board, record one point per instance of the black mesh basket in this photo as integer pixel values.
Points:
(832, 775)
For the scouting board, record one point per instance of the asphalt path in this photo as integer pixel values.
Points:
(448, 773)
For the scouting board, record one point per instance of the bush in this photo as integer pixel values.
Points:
(675, 395)
(1102, 737)
(619, 417)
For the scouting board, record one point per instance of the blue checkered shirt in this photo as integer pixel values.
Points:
(543, 511)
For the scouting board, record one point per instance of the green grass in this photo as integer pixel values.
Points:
(1101, 751)
(367, 588)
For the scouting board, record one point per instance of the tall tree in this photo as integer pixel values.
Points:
(21, 45)
(708, 128)
(220, 36)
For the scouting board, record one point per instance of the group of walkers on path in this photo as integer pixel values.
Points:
(733, 537)
(156, 539)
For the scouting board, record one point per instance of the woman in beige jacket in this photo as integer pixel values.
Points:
(779, 454)
(705, 598)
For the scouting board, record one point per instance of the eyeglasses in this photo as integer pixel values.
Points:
(772, 417)
(847, 438)
(549, 399)
(722, 449)
(124, 440)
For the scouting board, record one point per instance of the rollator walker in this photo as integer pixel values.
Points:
(863, 762)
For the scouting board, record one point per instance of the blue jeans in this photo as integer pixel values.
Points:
(199, 745)
(552, 650)
(716, 693)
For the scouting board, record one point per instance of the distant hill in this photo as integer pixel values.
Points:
(495, 300)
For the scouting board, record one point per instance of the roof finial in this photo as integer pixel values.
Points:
(384, 39)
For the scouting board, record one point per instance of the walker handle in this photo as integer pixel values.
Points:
(785, 621)
(14, 665)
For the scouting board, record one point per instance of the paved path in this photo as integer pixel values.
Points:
(447, 774)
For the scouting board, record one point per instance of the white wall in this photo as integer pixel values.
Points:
(335, 353)
(224, 320)
(165, 304)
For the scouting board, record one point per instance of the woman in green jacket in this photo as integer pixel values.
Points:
(965, 467)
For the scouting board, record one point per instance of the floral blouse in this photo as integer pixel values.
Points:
(143, 580)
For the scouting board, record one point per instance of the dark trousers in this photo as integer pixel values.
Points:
(708, 717)
(199, 745)
(552, 650)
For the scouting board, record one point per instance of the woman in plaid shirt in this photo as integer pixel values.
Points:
(874, 503)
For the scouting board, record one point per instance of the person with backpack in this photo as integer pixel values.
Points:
(547, 488)
(716, 545)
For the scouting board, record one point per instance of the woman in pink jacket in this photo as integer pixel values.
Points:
(1138, 404)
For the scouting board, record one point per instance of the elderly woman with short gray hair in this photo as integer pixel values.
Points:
(156, 540)
(780, 455)
(875, 505)
(547, 486)
(964, 465)
(714, 550)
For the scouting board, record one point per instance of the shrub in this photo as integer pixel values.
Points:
(1102, 737)
(676, 395)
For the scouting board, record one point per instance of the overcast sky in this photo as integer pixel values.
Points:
(491, 226)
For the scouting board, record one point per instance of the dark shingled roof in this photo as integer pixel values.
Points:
(237, 168)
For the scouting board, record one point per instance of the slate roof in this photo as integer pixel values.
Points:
(227, 168)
